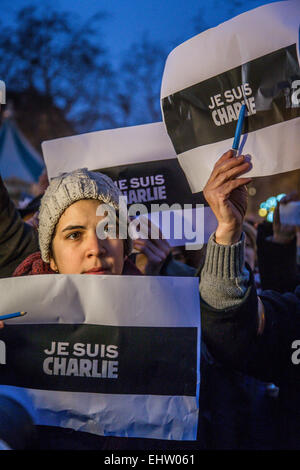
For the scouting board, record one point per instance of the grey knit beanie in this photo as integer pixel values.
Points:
(66, 189)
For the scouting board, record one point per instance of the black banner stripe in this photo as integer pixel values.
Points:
(155, 182)
(268, 90)
(100, 359)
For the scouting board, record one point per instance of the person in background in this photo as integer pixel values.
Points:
(17, 238)
(155, 257)
(193, 258)
(18, 227)
(277, 252)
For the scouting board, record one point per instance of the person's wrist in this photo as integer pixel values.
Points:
(228, 234)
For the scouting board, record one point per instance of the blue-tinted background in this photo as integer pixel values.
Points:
(170, 21)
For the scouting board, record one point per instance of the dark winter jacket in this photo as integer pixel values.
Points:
(231, 336)
(277, 262)
(17, 238)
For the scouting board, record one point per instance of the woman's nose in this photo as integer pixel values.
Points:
(95, 246)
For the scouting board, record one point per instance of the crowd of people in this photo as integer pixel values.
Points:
(249, 288)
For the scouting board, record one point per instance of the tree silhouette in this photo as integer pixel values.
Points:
(60, 58)
(138, 96)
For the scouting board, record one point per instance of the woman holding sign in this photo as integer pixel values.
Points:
(82, 230)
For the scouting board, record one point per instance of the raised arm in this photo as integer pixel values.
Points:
(227, 197)
(232, 315)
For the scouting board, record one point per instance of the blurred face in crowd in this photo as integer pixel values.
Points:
(76, 249)
(249, 253)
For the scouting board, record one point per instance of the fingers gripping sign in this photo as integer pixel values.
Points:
(226, 193)
(153, 251)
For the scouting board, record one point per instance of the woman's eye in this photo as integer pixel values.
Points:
(74, 236)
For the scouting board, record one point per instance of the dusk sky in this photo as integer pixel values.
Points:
(164, 24)
(167, 21)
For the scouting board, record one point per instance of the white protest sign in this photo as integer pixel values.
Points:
(108, 148)
(107, 364)
(253, 59)
(141, 160)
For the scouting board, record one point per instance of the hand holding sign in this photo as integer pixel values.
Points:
(153, 252)
(227, 196)
(202, 94)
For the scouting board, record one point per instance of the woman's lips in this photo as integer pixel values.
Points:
(97, 271)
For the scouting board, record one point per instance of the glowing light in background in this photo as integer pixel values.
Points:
(271, 202)
(266, 208)
(262, 212)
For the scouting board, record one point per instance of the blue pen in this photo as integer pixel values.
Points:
(238, 130)
(12, 315)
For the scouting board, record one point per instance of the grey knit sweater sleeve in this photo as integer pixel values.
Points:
(224, 277)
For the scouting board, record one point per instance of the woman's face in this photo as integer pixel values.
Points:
(76, 249)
